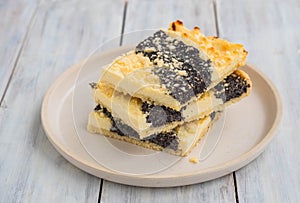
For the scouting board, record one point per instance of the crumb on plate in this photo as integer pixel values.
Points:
(193, 160)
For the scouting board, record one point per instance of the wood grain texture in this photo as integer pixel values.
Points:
(219, 190)
(158, 14)
(153, 15)
(62, 33)
(148, 14)
(15, 19)
(269, 30)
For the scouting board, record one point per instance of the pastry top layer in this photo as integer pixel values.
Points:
(174, 67)
(221, 52)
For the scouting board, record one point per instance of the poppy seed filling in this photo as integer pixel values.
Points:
(178, 66)
(165, 139)
(233, 86)
(160, 115)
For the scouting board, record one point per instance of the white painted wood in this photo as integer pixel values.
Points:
(270, 32)
(219, 190)
(148, 14)
(62, 33)
(153, 15)
(14, 21)
(158, 14)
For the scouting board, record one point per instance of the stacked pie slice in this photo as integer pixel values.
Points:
(167, 92)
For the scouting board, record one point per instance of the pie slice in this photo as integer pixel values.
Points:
(148, 118)
(178, 141)
(174, 67)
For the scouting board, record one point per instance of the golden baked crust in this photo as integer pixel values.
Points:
(220, 51)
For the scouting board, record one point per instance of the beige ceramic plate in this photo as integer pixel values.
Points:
(248, 128)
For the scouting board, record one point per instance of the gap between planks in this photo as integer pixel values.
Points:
(235, 188)
(216, 17)
(100, 191)
(121, 42)
(123, 21)
(218, 35)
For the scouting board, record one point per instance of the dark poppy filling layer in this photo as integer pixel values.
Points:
(167, 140)
(233, 86)
(160, 115)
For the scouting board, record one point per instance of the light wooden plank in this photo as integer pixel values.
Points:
(14, 21)
(270, 32)
(62, 33)
(156, 14)
(219, 190)
(148, 14)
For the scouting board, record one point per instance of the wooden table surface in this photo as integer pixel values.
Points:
(41, 39)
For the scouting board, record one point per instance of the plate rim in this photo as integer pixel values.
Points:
(151, 180)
